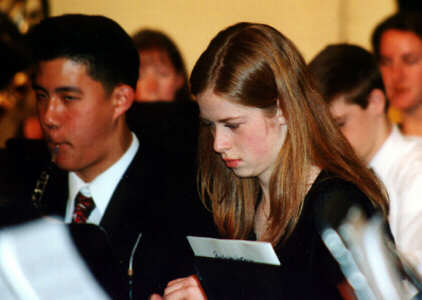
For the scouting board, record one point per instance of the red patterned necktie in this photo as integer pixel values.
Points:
(83, 208)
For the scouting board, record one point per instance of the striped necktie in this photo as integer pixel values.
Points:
(83, 208)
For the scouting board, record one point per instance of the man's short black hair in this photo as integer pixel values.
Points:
(95, 41)
(405, 20)
(346, 70)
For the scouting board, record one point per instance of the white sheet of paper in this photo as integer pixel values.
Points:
(258, 252)
(38, 261)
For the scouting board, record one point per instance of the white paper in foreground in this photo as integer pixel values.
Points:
(258, 252)
(38, 261)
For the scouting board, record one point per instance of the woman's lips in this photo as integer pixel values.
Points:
(232, 163)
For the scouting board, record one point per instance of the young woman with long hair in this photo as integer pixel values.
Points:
(272, 164)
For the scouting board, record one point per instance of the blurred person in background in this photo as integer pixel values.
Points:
(350, 82)
(397, 44)
(16, 100)
(162, 72)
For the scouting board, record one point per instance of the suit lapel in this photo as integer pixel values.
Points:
(120, 219)
(120, 208)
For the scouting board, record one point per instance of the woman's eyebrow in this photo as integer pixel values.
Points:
(229, 119)
(224, 120)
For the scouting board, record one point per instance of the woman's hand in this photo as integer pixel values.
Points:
(187, 288)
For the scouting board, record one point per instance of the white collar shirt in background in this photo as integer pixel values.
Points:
(102, 187)
(398, 163)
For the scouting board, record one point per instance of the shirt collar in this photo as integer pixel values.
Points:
(103, 186)
(390, 149)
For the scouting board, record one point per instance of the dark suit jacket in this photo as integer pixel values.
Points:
(138, 205)
(154, 197)
(135, 206)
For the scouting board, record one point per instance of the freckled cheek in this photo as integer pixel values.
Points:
(260, 146)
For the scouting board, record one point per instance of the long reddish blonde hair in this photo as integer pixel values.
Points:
(255, 65)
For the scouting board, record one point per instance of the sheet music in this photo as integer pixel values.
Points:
(39, 261)
(253, 251)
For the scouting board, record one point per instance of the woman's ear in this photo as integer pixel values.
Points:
(280, 115)
(122, 96)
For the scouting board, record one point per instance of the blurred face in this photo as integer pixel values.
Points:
(247, 140)
(77, 117)
(401, 68)
(357, 125)
(158, 79)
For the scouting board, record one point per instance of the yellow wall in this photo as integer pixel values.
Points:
(311, 24)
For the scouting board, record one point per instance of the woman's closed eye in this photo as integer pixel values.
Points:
(205, 123)
(232, 125)
(208, 124)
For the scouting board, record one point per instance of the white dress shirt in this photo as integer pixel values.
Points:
(102, 187)
(399, 166)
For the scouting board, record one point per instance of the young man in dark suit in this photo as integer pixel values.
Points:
(86, 69)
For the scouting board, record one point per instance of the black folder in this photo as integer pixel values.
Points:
(233, 279)
(235, 272)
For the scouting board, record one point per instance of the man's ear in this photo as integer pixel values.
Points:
(377, 101)
(122, 96)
